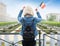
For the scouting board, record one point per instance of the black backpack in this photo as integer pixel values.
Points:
(28, 33)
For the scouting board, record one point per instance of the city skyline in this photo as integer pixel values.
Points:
(14, 6)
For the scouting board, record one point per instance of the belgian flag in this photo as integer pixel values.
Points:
(42, 5)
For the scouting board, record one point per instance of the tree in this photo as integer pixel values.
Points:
(52, 17)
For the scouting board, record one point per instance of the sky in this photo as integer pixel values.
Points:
(14, 6)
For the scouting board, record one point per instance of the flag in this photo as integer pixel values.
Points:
(42, 5)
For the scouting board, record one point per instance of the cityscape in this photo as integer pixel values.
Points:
(49, 27)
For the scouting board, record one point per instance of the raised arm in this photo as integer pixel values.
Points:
(19, 16)
(39, 16)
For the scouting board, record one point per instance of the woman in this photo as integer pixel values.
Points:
(28, 17)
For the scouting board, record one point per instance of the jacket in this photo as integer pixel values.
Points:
(28, 21)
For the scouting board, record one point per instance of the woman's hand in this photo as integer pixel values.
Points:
(23, 7)
(36, 9)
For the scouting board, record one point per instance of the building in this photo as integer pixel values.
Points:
(54, 16)
(2, 12)
(4, 17)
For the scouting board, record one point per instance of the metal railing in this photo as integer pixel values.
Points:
(54, 39)
(7, 40)
(51, 39)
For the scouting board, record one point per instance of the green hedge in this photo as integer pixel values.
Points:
(45, 29)
(6, 23)
(52, 23)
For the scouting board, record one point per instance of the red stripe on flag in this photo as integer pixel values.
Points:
(42, 5)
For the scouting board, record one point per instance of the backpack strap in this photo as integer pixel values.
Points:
(33, 21)
(23, 20)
